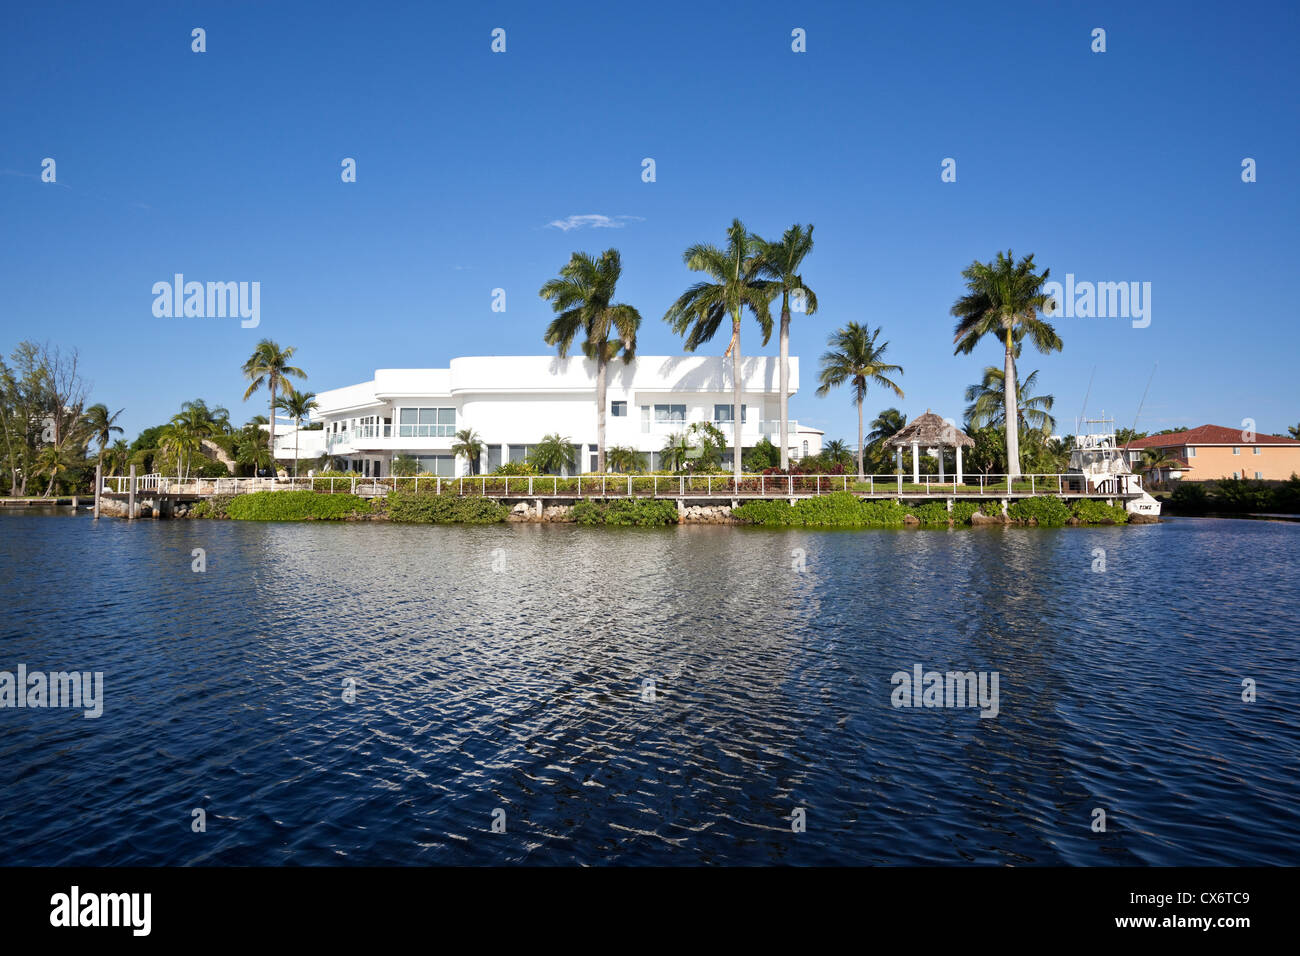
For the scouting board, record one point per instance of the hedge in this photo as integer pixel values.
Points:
(295, 506)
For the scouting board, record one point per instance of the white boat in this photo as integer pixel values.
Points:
(1104, 469)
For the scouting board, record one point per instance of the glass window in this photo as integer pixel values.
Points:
(1259, 475)
(670, 413)
(1236, 475)
(724, 413)
(519, 453)
(645, 418)
(1255, 450)
(1191, 451)
(493, 457)
(618, 409)
(426, 422)
(1236, 450)
(407, 416)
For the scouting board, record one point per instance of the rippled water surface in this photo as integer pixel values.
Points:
(523, 690)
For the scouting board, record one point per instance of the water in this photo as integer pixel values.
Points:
(521, 690)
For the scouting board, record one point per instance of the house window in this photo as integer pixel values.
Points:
(805, 449)
(1191, 451)
(725, 414)
(673, 414)
(618, 410)
(493, 457)
(1236, 474)
(1259, 475)
(1236, 451)
(426, 422)
(519, 453)
(1255, 450)
(443, 466)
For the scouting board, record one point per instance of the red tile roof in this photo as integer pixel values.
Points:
(1208, 435)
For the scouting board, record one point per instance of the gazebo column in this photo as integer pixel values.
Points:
(958, 464)
(916, 464)
(941, 464)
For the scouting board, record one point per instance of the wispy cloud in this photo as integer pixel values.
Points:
(593, 221)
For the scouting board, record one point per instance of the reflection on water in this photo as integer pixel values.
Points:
(524, 689)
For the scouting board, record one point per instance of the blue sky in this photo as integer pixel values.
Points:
(225, 165)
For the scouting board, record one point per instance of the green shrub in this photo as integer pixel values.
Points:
(991, 508)
(841, 509)
(962, 511)
(294, 506)
(932, 512)
(516, 468)
(1048, 511)
(1089, 511)
(211, 469)
(641, 512)
(411, 508)
(342, 480)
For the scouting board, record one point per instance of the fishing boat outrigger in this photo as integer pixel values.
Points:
(1102, 468)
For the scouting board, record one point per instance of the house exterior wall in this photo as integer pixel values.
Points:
(1271, 462)
(512, 402)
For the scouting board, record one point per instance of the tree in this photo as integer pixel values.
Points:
(252, 446)
(1156, 460)
(854, 357)
(469, 446)
(297, 405)
(707, 444)
(1294, 430)
(699, 311)
(676, 452)
(1003, 299)
(269, 365)
(553, 454)
(621, 458)
(404, 466)
(780, 262)
(583, 301)
(836, 452)
(988, 402)
(100, 423)
(884, 426)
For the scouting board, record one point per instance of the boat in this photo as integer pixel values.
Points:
(1102, 468)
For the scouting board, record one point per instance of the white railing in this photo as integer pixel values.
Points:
(633, 486)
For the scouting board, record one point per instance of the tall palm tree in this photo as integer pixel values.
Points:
(1003, 299)
(118, 457)
(739, 285)
(469, 445)
(269, 365)
(781, 262)
(182, 438)
(988, 402)
(101, 425)
(583, 301)
(297, 405)
(854, 357)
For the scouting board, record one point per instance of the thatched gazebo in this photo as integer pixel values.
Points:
(933, 433)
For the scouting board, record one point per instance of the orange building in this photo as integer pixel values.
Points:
(1212, 451)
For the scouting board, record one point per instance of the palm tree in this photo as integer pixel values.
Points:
(1156, 460)
(1004, 298)
(297, 405)
(101, 427)
(699, 311)
(251, 447)
(1294, 430)
(837, 451)
(181, 440)
(621, 458)
(781, 262)
(854, 357)
(54, 460)
(885, 425)
(269, 365)
(118, 457)
(988, 402)
(676, 451)
(583, 301)
(552, 454)
(469, 445)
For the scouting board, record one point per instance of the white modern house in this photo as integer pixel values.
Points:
(512, 402)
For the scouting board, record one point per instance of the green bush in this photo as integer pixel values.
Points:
(991, 508)
(642, 512)
(211, 469)
(411, 508)
(1089, 511)
(1048, 511)
(841, 509)
(962, 511)
(932, 512)
(516, 468)
(295, 506)
(343, 480)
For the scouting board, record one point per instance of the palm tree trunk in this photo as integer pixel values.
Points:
(271, 445)
(860, 475)
(785, 383)
(601, 365)
(1013, 417)
(735, 396)
(296, 437)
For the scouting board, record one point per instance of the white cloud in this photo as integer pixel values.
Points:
(593, 221)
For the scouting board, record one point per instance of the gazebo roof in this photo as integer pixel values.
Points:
(930, 429)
